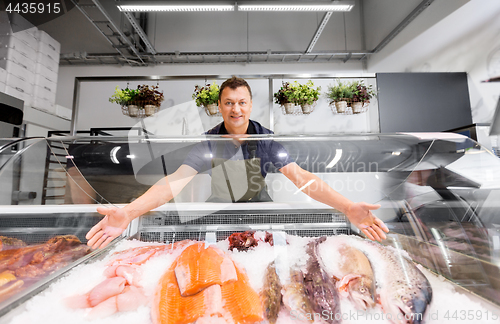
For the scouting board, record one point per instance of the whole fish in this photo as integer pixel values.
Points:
(320, 288)
(294, 296)
(354, 272)
(404, 292)
(271, 294)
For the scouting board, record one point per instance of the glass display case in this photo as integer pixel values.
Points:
(438, 195)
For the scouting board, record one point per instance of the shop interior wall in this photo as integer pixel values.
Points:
(179, 114)
(325, 119)
(466, 40)
(96, 111)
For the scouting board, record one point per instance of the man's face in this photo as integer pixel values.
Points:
(235, 106)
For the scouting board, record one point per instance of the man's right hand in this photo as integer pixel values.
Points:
(111, 226)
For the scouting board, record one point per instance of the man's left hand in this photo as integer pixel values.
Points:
(360, 215)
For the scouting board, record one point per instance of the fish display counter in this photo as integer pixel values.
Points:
(251, 247)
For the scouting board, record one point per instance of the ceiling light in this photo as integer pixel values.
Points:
(141, 6)
(280, 6)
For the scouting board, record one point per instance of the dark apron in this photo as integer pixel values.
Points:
(237, 181)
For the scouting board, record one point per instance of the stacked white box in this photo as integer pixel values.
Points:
(48, 51)
(18, 52)
(13, 42)
(47, 44)
(19, 88)
(3, 79)
(43, 71)
(47, 67)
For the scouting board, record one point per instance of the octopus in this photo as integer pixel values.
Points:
(246, 240)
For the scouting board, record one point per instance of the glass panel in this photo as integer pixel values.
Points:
(439, 193)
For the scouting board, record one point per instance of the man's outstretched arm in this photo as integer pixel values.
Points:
(358, 214)
(116, 220)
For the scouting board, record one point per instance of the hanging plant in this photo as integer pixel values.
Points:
(282, 97)
(149, 95)
(207, 97)
(123, 97)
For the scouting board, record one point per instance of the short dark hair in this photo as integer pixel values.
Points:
(234, 83)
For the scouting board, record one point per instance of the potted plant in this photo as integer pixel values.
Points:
(283, 97)
(305, 95)
(207, 97)
(361, 95)
(150, 98)
(126, 98)
(340, 95)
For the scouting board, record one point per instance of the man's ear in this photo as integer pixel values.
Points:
(218, 101)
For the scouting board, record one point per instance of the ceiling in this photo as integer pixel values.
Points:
(96, 32)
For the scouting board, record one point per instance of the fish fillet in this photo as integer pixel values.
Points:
(241, 301)
(169, 307)
(199, 267)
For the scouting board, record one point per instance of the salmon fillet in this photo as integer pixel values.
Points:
(241, 301)
(169, 307)
(199, 267)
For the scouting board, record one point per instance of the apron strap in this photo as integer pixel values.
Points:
(219, 148)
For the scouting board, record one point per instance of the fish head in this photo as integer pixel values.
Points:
(361, 292)
(409, 305)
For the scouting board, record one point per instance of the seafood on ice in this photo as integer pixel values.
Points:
(248, 239)
(320, 288)
(353, 272)
(121, 291)
(194, 282)
(402, 289)
(203, 284)
(271, 294)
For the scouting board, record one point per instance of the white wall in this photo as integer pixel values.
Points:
(96, 111)
(467, 40)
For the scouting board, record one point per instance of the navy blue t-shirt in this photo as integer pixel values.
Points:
(269, 152)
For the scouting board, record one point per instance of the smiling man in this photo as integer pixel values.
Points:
(238, 169)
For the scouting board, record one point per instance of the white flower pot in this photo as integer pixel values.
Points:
(341, 106)
(150, 110)
(133, 110)
(289, 107)
(307, 108)
(212, 109)
(357, 107)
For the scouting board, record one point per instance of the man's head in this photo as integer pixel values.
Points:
(234, 83)
(235, 105)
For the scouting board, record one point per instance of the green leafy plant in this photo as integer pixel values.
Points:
(304, 93)
(340, 92)
(123, 97)
(206, 95)
(284, 94)
(149, 95)
(362, 93)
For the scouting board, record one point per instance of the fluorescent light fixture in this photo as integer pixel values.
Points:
(296, 6)
(177, 6)
(141, 6)
(131, 156)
